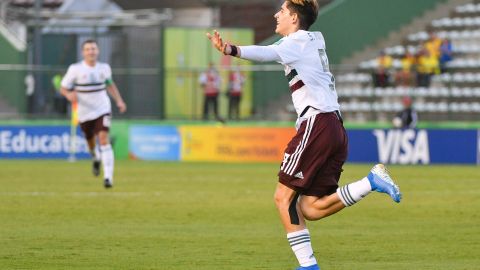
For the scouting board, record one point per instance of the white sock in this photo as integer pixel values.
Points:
(302, 247)
(107, 161)
(354, 192)
(98, 156)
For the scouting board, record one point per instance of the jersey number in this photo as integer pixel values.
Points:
(324, 60)
(326, 68)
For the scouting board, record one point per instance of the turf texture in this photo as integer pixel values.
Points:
(56, 215)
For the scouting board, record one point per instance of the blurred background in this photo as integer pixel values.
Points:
(387, 56)
(157, 50)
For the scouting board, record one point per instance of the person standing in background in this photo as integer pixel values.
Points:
(446, 54)
(381, 75)
(406, 118)
(210, 81)
(235, 87)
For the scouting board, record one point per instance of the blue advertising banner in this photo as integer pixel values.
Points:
(45, 142)
(154, 143)
(408, 146)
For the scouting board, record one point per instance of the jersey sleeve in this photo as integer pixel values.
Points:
(68, 80)
(288, 49)
(259, 53)
(108, 75)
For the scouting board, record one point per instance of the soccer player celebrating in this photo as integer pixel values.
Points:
(313, 160)
(87, 83)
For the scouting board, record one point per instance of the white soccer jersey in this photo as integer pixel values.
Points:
(306, 66)
(90, 84)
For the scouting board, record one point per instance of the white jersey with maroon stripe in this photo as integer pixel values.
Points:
(90, 84)
(306, 67)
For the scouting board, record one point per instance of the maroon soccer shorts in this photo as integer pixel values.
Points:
(314, 157)
(92, 127)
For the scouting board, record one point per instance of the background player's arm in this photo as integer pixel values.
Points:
(113, 91)
(67, 84)
(69, 95)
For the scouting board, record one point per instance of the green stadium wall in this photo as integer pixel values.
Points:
(12, 88)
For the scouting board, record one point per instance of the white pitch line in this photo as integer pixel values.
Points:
(74, 194)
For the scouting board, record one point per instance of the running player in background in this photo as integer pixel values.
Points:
(313, 160)
(87, 83)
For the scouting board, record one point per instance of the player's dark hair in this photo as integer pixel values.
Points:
(306, 10)
(88, 41)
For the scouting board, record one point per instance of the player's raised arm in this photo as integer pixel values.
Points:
(225, 48)
(254, 53)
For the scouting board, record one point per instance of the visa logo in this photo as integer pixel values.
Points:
(402, 146)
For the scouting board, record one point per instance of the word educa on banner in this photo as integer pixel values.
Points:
(402, 146)
(38, 142)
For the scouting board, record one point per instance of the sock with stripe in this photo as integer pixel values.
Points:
(302, 247)
(354, 192)
(107, 161)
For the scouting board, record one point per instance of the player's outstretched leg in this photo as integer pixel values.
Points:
(108, 163)
(96, 167)
(95, 153)
(377, 180)
(381, 181)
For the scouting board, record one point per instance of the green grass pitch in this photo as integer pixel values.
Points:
(56, 215)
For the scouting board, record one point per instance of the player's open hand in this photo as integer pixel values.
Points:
(217, 41)
(71, 96)
(122, 107)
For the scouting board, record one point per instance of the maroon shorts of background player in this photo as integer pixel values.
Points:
(314, 157)
(92, 127)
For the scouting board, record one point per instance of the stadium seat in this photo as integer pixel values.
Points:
(455, 91)
(475, 107)
(476, 92)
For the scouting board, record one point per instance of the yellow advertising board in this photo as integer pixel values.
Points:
(232, 144)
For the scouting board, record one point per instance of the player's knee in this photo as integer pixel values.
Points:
(281, 200)
(308, 216)
(103, 138)
(312, 215)
(310, 212)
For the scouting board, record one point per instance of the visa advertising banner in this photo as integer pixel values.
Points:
(409, 146)
(32, 142)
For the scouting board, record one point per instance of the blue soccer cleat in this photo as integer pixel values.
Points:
(311, 267)
(381, 181)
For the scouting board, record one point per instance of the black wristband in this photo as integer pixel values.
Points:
(234, 50)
